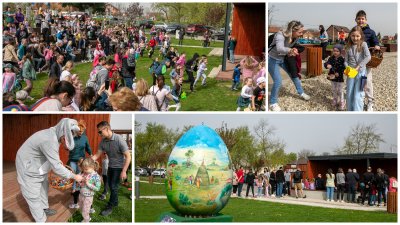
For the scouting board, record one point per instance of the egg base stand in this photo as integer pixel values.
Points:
(171, 217)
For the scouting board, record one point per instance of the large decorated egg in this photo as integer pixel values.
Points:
(199, 173)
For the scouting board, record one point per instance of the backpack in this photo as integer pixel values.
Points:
(131, 61)
(297, 175)
(92, 81)
(270, 40)
(161, 69)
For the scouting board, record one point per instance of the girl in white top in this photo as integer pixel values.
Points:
(66, 73)
(244, 99)
(201, 72)
(162, 94)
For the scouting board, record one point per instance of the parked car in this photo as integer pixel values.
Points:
(172, 28)
(161, 26)
(141, 172)
(159, 172)
(146, 23)
(195, 29)
(219, 34)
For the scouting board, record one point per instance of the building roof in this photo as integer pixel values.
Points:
(301, 161)
(379, 155)
(337, 27)
(273, 29)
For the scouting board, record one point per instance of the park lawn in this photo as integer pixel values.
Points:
(215, 96)
(245, 210)
(122, 213)
(157, 179)
(146, 189)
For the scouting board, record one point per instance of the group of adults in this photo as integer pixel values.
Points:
(39, 154)
(279, 183)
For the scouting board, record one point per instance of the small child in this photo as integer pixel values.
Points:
(88, 186)
(258, 98)
(294, 62)
(373, 195)
(259, 183)
(89, 53)
(201, 72)
(236, 78)
(104, 171)
(75, 188)
(244, 99)
(9, 78)
(335, 64)
(173, 74)
(357, 56)
(267, 187)
(176, 93)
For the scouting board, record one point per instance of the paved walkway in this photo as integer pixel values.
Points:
(303, 201)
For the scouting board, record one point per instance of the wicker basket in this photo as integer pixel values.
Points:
(60, 183)
(376, 58)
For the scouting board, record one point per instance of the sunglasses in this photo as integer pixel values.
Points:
(101, 131)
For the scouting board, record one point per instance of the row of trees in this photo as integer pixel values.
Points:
(257, 149)
(212, 14)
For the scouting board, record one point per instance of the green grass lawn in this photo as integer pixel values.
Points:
(216, 96)
(146, 189)
(244, 210)
(122, 213)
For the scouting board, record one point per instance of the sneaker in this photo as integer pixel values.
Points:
(30, 98)
(235, 89)
(107, 211)
(275, 107)
(102, 197)
(50, 212)
(327, 200)
(92, 210)
(332, 200)
(305, 96)
(73, 206)
(305, 196)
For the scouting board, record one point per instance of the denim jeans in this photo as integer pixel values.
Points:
(273, 70)
(259, 192)
(355, 94)
(235, 84)
(279, 189)
(248, 189)
(113, 175)
(128, 82)
(105, 181)
(329, 193)
(351, 193)
(381, 195)
(240, 186)
(75, 167)
(231, 56)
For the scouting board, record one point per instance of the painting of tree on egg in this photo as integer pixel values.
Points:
(199, 173)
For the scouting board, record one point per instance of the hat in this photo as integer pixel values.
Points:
(338, 47)
(8, 65)
(260, 80)
(21, 95)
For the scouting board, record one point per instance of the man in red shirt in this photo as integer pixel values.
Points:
(240, 175)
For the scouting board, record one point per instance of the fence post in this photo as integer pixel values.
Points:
(137, 193)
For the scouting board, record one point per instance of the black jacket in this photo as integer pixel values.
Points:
(368, 178)
(280, 176)
(250, 178)
(352, 178)
(55, 70)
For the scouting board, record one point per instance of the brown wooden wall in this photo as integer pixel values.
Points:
(18, 128)
(248, 27)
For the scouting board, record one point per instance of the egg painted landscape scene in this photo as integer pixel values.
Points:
(199, 173)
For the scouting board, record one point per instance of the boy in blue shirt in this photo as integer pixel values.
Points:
(236, 78)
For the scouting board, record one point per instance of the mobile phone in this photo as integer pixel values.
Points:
(107, 85)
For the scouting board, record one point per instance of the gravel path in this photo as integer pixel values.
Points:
(319, 89)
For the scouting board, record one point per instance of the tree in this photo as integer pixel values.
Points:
(176, 9)
(189, 154)
(82, 6)
(271, 11)
(305, 153)
(362, 139)
(263, 132)
(134, 11)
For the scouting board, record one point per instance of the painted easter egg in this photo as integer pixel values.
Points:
(199, 173)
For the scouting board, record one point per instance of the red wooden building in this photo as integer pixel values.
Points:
(18, 128)
(385, 161)
(248, 27)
